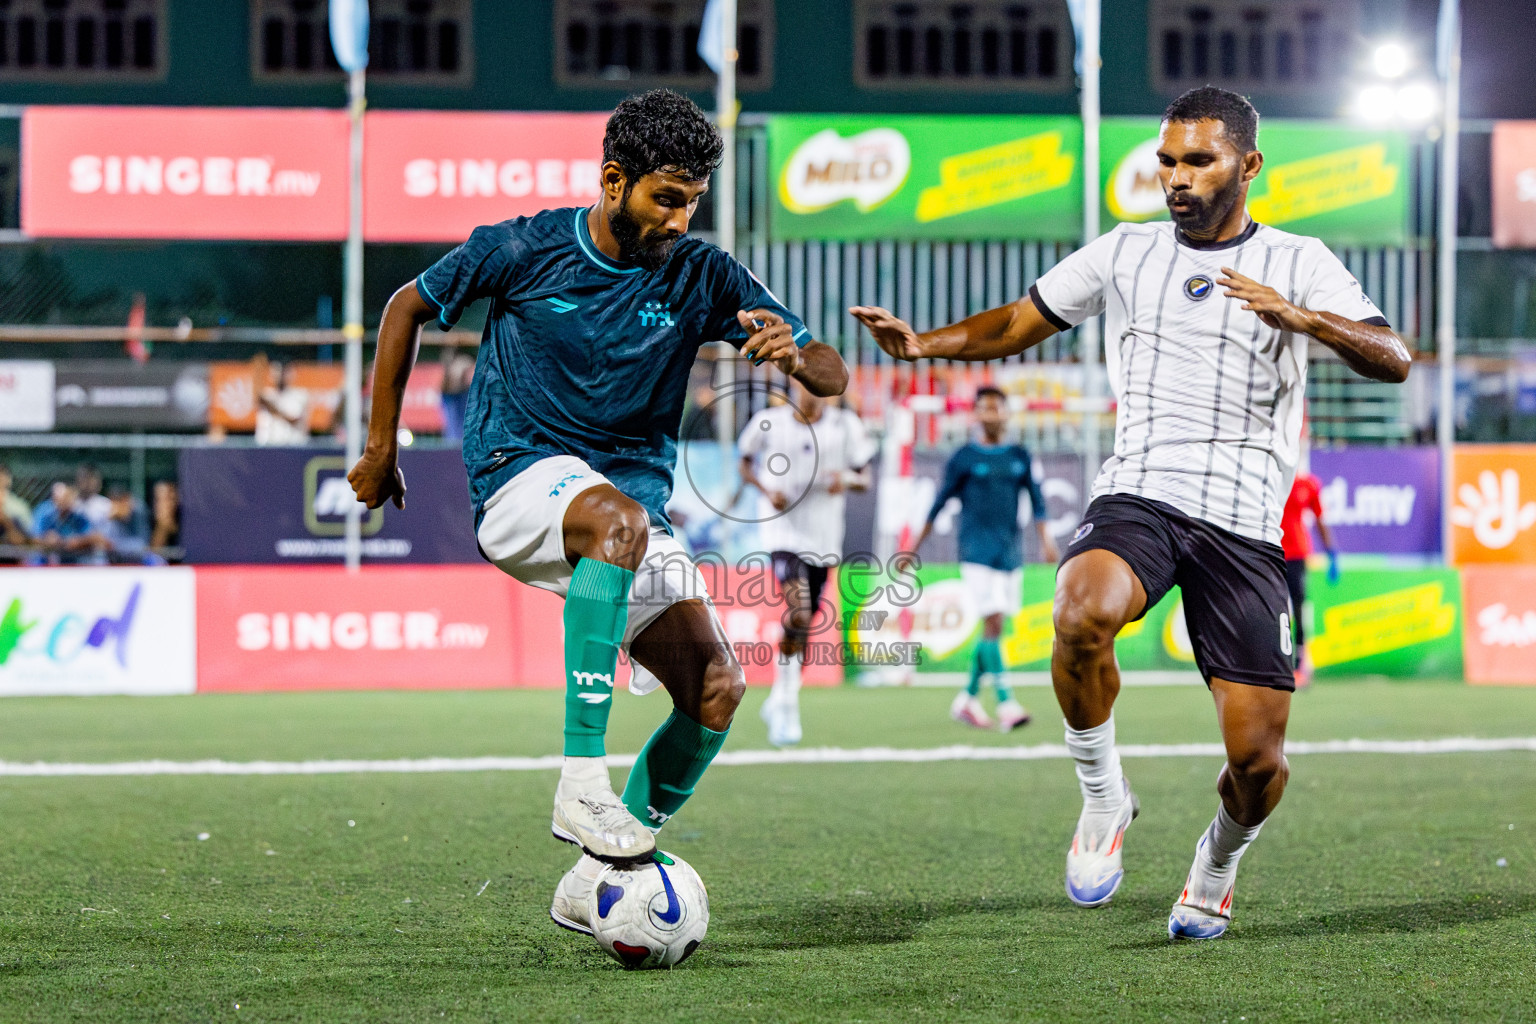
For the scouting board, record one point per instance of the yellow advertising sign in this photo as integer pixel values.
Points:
(1382, 623)
(997, 174)
(1323, 184)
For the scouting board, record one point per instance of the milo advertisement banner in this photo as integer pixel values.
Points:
(1402, 623)
(1344, 185)
(856, 177)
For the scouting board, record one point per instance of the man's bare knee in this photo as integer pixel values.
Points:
(603, 524)
(1086, 625)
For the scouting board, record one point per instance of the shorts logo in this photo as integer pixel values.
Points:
(1198, 287)
(1082, 531)
(560, 484)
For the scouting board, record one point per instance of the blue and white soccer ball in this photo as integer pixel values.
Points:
(654, 915)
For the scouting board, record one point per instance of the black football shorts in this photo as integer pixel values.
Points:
(1236, 603)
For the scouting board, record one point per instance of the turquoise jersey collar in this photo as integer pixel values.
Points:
(590, 250)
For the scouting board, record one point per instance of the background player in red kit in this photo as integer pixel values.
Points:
(1296, 541)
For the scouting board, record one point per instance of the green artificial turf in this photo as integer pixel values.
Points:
(871, 892)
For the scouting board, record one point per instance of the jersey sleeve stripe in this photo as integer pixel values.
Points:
(1376, 321)
(426, 293)
(1050, 315)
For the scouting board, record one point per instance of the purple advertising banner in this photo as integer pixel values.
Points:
(288, 506)
(1381, 500)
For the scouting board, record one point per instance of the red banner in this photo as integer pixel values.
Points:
(1514, 184)
(422, 627)
(433, 176)
(187, 173)
(1500, 632)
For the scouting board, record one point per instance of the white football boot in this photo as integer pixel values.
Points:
(784, 727)
(968, 711)
(1093, 859)
(596, 820)
(569, 908)
(1011, 715)
(1204, 909)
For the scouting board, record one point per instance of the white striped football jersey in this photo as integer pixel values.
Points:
(1210, 399)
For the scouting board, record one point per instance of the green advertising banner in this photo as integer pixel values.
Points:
(1389, 622)
(857, 177)
(1341, 184)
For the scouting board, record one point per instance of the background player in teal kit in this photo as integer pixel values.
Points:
(987, 476)
(570, 439)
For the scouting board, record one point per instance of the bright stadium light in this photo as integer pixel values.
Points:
(1390, 60)
(1376, 103)
(1417, 103)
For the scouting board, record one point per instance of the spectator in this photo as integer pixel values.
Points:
(15, 519)
(127, 530)
(166, 532)
(12, 505)
(282, 408)
(92, 503)
(458, 370)
(64, 533)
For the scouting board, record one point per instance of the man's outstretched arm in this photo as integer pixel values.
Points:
(376, 478)
(1371, 350)
(994, 334)
(771, 340)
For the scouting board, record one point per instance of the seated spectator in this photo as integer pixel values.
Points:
(127, 530)
(167, 516)
(64, 533)
(94, 505)
(15, 520)
(282, 408)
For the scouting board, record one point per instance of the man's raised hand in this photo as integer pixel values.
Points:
(890, 332)
(770, 340)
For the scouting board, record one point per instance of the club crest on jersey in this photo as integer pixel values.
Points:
(1082, 531)
(1199, 287)
(657, 314)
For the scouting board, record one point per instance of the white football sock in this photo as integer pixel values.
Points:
(580, 775)
(786, 679)
(1098, 766)
(1226, 841)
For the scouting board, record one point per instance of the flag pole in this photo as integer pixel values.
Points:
(725, 220)
(352, 327)
(1088, 41)
(1448, 47)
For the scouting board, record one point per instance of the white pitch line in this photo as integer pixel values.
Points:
(811, 755)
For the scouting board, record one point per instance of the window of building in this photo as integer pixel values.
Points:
(1267, 46)
(427, 42)
(983, 45)
(654, 43)
(82, 40)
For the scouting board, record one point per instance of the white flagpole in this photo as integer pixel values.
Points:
(725, 220)
(1088, 40)
(1449, 49)
(352, 327)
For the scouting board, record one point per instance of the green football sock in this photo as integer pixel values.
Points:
(596, 612)
(669, 768)
(990, 654)
(974, 686)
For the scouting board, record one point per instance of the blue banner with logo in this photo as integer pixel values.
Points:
(288, 506)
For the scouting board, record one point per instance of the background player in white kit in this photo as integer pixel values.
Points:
(803, 457)
(1208, 322)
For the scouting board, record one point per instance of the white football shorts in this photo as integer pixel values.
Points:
(993, 590)
(523, 534)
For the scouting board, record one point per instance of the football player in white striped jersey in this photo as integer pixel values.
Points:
(1208, 322)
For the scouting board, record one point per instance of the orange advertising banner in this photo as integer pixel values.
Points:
(1514, 184)
(1493, 504)
(187, 172)
(434, 176)
(1500, 633)
(232, 395)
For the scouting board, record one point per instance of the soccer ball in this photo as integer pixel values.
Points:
(653, 915)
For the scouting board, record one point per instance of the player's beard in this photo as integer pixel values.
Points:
(634, 245)
(1205, 213)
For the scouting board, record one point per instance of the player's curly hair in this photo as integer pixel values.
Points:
(1209, 103)
(662, 130)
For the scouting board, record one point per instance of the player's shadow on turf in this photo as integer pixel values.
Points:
(860, 920)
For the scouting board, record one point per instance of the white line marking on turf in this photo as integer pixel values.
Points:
(811, 755)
